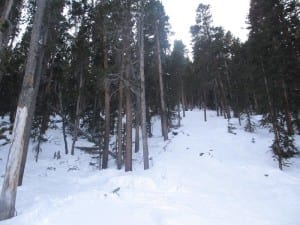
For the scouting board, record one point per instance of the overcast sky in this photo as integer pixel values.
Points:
(230, 14)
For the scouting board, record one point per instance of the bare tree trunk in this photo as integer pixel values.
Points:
(120, 127)
(78, 111)
(107, 123)
(23, 119)
(128, 149)
(137, 124)
(164, 124)
(143, 96)
(63, 119)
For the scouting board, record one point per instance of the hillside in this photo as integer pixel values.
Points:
(202, 175)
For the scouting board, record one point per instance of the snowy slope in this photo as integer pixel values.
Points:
(201, 176)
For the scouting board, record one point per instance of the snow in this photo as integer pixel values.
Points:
(202, 175)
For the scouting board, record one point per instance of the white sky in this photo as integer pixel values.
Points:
(230, 14)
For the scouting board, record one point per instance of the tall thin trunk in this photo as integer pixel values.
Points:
(143, 97)
(148, 119)
(78, 111)
(137, 124)
(128, 148)
(63, 119)
(107, 123)
(164, 124)
(23, 119)
(120, 127)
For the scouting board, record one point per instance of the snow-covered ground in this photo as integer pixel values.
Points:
(203, 175)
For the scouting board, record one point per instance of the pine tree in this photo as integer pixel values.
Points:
(23, 119)
(272, 44)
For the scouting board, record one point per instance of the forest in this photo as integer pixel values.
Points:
(106, 68)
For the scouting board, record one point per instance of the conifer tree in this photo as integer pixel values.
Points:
(23, 119)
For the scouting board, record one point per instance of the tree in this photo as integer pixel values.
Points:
(6, 7)
(273, 53)
(9, 18)
(176, 65)
(163, 112)
(23, 119)
(142, 88)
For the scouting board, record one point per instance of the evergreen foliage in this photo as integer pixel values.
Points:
(90, 67)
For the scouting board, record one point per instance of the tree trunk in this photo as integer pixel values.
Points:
(38, 73)
(63, 119)
(148, 119)
(107, 123)
(143, 97)
(23, 121)
(164, 124)
(120, 127)
(223, 95)
(78, 112)
(137, 124)
(128, 149)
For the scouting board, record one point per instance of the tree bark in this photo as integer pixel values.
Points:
(63, 119)
(143, 98)
(23, 119)
(107, 123)
(120, 127)
(137, 124)
(164, 124)
(128, 149)
(78, 111)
